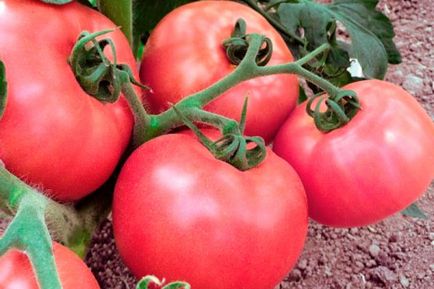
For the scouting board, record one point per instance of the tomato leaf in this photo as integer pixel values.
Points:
(120, 12)
(371, 32)
(414, 211)
(302, 96)
(3, 88)
(146, 15)
(137, 17)
(89, 3)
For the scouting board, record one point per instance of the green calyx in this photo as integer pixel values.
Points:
(150, 281)
(233, 147)
(97, 75)
(237, 45)
(3, 89)
(341, 108)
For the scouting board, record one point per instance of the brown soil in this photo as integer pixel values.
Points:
(396, 253)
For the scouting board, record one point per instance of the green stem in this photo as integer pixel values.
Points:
(28, 232)
(64, 221)
(142, 120)
(169, 119)
(296, 68)
(226, 125)
(247, 69)
(323, 48)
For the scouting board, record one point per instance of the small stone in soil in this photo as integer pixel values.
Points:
(404, 281)
(413, 84)
(302, 264)
(384, 274)
(374, 250)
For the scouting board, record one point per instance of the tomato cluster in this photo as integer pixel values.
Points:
(179, 212)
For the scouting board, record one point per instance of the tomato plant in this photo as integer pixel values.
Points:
(16, 270)
(377, 164)
(52, 133)
(193, 58)
(186, 216)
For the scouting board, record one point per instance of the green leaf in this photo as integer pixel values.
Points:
(137, 17)
(414, 211)
(302, 96)
(3, 89)
(370, 31)
(121, 13)
(364, 12)
(147, 13)
(80, 242)
(89, 3)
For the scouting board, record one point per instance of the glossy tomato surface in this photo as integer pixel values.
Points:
(184, 54)
(376, 165)
(16, 271)
(183, 215)
(52, 133)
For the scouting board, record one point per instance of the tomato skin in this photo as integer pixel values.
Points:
(52, 133)
(193, 58)
(17, 273)
(374, 166)
(203, 221)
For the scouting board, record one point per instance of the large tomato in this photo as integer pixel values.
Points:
(52, 133)
(184, 54)
(17, 273)
(183, 215)
(376, 165)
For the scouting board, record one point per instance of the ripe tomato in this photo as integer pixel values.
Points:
(184, 54)
(16, 271)
(376, 165)
(52, 133)
(181, 214)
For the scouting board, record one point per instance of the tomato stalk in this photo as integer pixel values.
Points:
(36, 215)
(28, 232)
(105, 80)
(64, 221)
(342, 102)
(100, 77)
(169, 119)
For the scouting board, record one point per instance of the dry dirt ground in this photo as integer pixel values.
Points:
(396, 253)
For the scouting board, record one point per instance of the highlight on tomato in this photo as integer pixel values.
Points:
(375, 165)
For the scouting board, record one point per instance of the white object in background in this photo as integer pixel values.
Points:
(355, 68)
